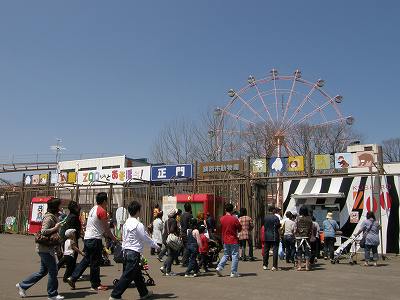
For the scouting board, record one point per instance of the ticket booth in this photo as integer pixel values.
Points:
(202, 203)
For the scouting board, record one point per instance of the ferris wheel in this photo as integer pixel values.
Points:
(265, 113)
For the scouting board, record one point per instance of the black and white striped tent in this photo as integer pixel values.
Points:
(351, 194)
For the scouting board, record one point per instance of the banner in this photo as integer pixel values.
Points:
(363, 159)
(259, 165)
(276, 164)
(322, 161)
(116, 176)
(296, 163)
(343, 160)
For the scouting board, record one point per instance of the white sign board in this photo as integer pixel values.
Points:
(118, 176)
(168, 203)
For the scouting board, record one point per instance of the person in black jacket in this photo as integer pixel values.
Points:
(271, 238)
(170, 227)
(72, 222)
(185, 219)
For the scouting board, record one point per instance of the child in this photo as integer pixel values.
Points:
(70, 248)
(203, 249)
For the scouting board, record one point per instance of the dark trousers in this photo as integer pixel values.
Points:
(163, 251)
(185, 255)
(290, 247)
(131, 272)
(48, 265)
(314, 250)
(243, 243)
(329, 247)
(275, 247)
(204, 261)
(172, 254)
(193, 265)
(70, 263)
(93, 249)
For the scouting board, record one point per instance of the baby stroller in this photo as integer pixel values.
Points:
(347, 250)
(118, 258)
(214, 248)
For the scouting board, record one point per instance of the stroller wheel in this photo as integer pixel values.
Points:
(115, 282)
(150, 282)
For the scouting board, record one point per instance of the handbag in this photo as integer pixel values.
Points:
(118, 254)
(173, 241)
(362, 242)
(47, 240)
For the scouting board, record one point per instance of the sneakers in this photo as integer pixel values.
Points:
(71, 283)
(100, 288)
(274, 269)
(191, 275)
(219, 272)
(235, 275)
(58, 297)
(149, 294)
(162, 270)
(160, 259)
(111, 298)
(265, 268)
(170, 274)
(21, 291)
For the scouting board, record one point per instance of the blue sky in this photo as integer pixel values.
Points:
(106, 76)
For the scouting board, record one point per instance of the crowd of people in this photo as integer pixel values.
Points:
(295, 238)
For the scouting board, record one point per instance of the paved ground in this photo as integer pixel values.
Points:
(18, 259)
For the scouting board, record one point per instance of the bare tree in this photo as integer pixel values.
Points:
(185, 142)
(391, 150)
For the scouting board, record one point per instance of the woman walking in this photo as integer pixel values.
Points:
(370, 229)
(330, 226)
(48, 264)
(170, 227)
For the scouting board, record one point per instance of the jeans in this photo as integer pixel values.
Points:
(48, 265)
(70, 263)
(163, 251)
(275, 247)
(172, 254)
(314, 250)
(93, 249)
(290, 247)
(329, 247)
(230, 250)
(367, 251)
(243, 247)
(193, 265)
(132, 271)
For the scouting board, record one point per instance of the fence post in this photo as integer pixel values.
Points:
(21, 204)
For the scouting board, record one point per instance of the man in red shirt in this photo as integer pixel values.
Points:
(230, 228)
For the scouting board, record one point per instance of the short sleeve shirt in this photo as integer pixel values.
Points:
(94, 226)
(68, 247)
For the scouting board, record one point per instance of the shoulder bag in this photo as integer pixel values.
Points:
(173, 241)
(48, 240)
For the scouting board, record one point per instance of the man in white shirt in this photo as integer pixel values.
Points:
(134, 237)
(97, 226)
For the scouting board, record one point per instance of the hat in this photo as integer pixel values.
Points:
(172, 213)
(329, 215)
(70, 232)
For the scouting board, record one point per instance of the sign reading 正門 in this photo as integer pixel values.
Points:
(168, 172)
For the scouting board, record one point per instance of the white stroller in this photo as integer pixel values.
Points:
(348, 250)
